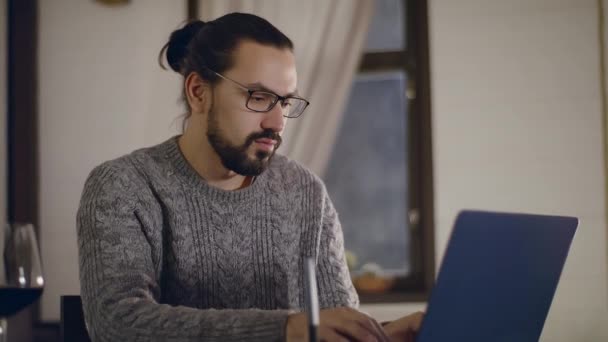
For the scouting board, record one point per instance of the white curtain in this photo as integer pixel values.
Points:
(328, 36)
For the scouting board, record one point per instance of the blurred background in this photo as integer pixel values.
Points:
(420, 108)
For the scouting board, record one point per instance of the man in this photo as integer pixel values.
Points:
(204, 237)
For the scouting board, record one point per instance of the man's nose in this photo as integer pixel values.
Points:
(274, 119)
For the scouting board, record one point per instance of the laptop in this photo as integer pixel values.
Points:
(498, 277)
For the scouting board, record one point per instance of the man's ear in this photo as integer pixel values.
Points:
(198, 93)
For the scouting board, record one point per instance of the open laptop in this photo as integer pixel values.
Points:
(497, 278)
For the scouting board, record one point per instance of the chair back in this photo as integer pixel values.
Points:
(73, 328)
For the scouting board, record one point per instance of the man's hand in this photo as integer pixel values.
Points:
(404, 329)
(339, 324)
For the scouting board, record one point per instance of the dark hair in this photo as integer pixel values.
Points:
(203, 46)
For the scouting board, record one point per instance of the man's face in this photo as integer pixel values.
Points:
(246, 140)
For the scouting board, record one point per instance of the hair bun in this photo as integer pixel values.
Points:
(177, 46)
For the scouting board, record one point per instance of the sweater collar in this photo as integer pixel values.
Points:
(188, 175)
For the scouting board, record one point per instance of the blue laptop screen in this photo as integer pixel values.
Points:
(498, 277)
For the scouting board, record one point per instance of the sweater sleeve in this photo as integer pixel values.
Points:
(335, 285)
(120, 283)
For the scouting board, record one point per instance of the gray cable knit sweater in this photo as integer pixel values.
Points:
(166, 257)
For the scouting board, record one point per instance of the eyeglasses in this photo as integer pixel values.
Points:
(262, 101)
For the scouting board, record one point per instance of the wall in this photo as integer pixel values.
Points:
(102, 94)
(517, 126)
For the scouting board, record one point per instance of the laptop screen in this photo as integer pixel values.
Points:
(498, 277)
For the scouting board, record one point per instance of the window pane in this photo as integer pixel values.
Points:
(367, 173)
(387, 29)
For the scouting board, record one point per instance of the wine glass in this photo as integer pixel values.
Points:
(21, 279)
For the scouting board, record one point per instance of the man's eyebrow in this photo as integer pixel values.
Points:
(260, 86)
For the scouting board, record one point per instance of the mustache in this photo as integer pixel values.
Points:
(267, 134)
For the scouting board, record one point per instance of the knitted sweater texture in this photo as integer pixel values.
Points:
(164, 256)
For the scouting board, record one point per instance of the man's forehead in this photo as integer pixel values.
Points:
(265, 67)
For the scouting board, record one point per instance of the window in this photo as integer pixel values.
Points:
(380, 174)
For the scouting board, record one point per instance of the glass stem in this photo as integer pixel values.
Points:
(3, 330)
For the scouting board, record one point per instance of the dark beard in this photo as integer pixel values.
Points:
(235, 158)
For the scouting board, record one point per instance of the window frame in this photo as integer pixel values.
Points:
(414, 60)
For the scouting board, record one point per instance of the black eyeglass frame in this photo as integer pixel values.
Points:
(278, 98)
